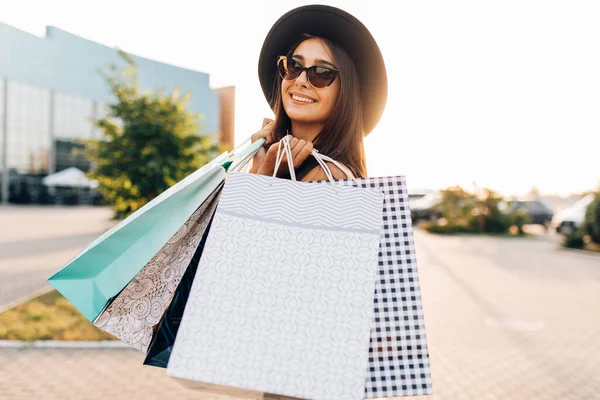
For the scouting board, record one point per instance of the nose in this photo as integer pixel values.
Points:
(302, 79)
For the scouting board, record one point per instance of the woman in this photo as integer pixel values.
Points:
(324, 78)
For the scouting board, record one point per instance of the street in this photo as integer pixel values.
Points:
(506, 318)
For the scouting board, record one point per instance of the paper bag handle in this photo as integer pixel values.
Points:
(320, 158)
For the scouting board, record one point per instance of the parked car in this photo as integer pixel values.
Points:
(424, 208)
(571, 218)
(539, 212)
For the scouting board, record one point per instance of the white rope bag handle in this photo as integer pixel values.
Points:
(321, 159)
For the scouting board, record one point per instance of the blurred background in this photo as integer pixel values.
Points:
(492, 116)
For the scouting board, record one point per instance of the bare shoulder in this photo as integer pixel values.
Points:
(318, 174)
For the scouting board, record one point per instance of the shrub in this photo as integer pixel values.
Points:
(591, 224)
(574, 240)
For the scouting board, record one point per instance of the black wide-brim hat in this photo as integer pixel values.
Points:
(341, 28)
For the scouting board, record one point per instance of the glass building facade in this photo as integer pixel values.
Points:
(50, 90)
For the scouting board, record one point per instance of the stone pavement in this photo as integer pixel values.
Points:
(85, 374)
(36, 241)
(505, 318)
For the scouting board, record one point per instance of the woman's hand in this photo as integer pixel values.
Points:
(267, 133)
(263, 162)
(301, 150)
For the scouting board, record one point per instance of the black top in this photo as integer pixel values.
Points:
(302, 170)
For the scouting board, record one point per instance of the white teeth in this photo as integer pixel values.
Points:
(304, 99)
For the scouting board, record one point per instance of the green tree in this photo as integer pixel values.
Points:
(150, 142)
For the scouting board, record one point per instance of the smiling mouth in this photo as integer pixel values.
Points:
(301, 99)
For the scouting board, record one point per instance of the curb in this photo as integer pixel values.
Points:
(63, 344)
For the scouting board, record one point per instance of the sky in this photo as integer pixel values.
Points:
(504, 95)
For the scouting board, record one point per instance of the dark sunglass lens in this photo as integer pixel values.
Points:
(294, 69)
(321, 77)
(289, 68)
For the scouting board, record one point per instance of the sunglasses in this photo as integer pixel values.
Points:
(317, 76)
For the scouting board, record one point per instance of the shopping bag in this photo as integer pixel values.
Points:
(398, 354)
(282, 300)
(163, 338)
(107, 265)
(137, 309)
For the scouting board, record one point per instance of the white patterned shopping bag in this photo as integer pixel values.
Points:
(282, 301)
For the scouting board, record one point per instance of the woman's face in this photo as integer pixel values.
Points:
(318, 103)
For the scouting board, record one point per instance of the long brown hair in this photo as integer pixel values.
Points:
(342, 135)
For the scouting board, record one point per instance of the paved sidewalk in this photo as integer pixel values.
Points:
(86, 374)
